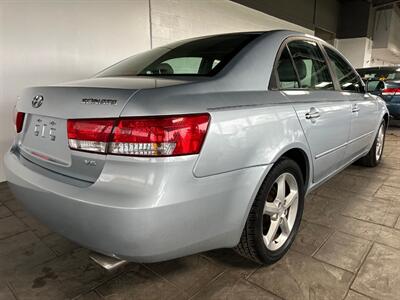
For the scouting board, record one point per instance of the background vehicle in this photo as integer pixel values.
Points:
(207, 143)
(384, 82)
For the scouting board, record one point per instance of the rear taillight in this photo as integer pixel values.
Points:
(19, 121)
(140, 136)
(89, 135)
(391, 91)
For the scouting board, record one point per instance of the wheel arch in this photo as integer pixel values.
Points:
(297, 151)
(301, 158)
(386, 118)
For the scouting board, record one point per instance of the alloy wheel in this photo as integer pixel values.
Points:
(379, 142)
(280, 211)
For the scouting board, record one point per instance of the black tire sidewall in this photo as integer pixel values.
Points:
(285, 165)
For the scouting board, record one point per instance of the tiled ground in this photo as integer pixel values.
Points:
(348, 247)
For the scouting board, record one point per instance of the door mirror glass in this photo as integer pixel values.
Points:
(374, 86)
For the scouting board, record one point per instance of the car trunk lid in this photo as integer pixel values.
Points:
(44, 138)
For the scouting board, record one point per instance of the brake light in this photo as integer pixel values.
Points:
(140, 136)
(19, 121)
(390, 91)
(89, 135)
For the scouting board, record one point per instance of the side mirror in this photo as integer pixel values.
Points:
(373, 86)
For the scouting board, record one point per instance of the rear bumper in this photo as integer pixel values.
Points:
(142, 210)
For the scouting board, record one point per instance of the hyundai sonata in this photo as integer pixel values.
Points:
(206, 143)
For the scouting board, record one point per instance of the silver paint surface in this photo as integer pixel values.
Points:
(152, 209)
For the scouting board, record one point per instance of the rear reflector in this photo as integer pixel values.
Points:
(391, 91)
(19, 121)
(147, 136)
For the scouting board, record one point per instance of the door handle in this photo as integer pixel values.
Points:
(313, 114)
(355, 108)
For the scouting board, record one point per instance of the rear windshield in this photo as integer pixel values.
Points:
(379, 74)
(199, 57)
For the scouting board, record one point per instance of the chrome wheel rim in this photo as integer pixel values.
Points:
(280, 211)
(379, 142)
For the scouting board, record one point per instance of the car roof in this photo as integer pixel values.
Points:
(262, 34)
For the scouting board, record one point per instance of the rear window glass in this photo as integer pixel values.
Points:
(198, 57)
(379, 74)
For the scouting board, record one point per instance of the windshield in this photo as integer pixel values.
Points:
(199, 57)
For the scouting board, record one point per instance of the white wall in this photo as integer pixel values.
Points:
(360, 52)
(356, 50)
(179, 19)
(386, 48)
(45, 42)
(50, 41)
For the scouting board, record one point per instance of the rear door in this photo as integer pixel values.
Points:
(364, 107)
(323, 112)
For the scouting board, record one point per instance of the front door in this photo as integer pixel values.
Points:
(364, 119)
(363, 106)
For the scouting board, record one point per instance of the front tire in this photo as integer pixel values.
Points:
(374, 156)
(275, 216)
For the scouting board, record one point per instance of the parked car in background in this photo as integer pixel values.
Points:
(384, 82)
(207, 143)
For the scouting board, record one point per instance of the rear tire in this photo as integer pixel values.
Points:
(275, 216)
(374, 156)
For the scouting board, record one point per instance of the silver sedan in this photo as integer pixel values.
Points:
(206, 143)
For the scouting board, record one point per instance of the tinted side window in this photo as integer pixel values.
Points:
(181, 65)
(286, 74)
(311, 65)
(348, 79)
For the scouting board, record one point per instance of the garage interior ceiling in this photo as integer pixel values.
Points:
(350, 20)
(377, 3)
(344, 18)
